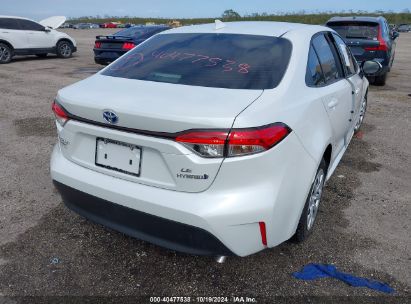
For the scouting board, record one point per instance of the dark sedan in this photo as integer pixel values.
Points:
(109, 48)
(369, 38)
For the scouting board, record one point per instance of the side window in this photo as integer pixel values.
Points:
(314, 75)
(348, 60)
(28, 25)
(329, 64)
(9, 23)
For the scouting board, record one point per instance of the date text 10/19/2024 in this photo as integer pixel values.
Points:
(232, 299)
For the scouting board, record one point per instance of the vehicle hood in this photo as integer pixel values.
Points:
(53, 22)
(155, 106)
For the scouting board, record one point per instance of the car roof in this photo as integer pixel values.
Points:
(15, 17)
(149, 26)
(263, 28)
(357, 18)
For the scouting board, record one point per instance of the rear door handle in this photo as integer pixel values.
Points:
(333, 103)
(5, 32)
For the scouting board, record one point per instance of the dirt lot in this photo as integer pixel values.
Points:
(364, 226)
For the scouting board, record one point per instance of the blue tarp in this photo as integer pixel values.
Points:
(317, 271)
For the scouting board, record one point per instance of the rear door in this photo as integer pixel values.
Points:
(336, 92)
(351, 71)
(38, 38)
(11, 31)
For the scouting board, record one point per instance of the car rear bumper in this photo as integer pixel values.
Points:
(144, 226)
(107, 56)
(270, 187)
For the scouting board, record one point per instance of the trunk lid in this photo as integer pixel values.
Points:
(154, 107)
(112, 42)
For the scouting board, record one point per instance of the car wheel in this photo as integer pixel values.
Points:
(42, 55)
(6, 53)
(380, 80)
(64, 49)
(310, 211)
(363, 109)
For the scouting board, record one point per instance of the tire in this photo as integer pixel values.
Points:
(64, 49)
(42, 55)
(6, 53)
(363, 110)
(311, 207)
(380, 80)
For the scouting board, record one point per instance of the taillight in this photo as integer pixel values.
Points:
(128, 45)
(205, 143)
(382, 44)
(250, 141)
(238, 142)
(97, 45)
(59, 113)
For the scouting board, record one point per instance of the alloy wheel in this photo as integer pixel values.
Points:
(362, 114)
(65, 49)
(4, 54)
(315, 197)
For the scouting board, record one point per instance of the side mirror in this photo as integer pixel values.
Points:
(371, 67)
(47, 30)
(395, 35)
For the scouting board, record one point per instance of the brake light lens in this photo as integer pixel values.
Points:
(128, 45)
(382, 44)
(243, 142)
(97, 45)
(59, 113)
(238, 142)
(205, 143)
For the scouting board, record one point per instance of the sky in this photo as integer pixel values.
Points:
(38, 9)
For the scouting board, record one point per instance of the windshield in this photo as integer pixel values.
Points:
(210, 60)
(356, 30)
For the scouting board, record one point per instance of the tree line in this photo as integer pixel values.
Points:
(231, 15)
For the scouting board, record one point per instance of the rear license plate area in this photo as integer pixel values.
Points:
(118, 156)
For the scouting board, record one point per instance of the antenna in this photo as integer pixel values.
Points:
(219, 24)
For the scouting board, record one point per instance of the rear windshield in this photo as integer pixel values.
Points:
(356, 30)
(138, 32)
(209, 60)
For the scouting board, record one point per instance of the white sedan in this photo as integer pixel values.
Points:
(214, 139)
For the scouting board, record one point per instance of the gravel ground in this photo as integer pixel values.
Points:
(46, 250)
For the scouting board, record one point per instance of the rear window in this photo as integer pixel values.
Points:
(139, 32)
(356, 30)
(211, 60)
(9, 23)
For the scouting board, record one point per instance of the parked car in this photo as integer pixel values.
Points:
(404, 28)
(66, 25)
(83, 26)
(109, 48)
(211, 139)
(109, 25)
(21, 36)
(369, 39)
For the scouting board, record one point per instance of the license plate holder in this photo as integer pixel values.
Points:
(118, 156)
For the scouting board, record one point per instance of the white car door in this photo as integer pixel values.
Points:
(352, 75)
(336, 92)
(38, 36)
(11, 32)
